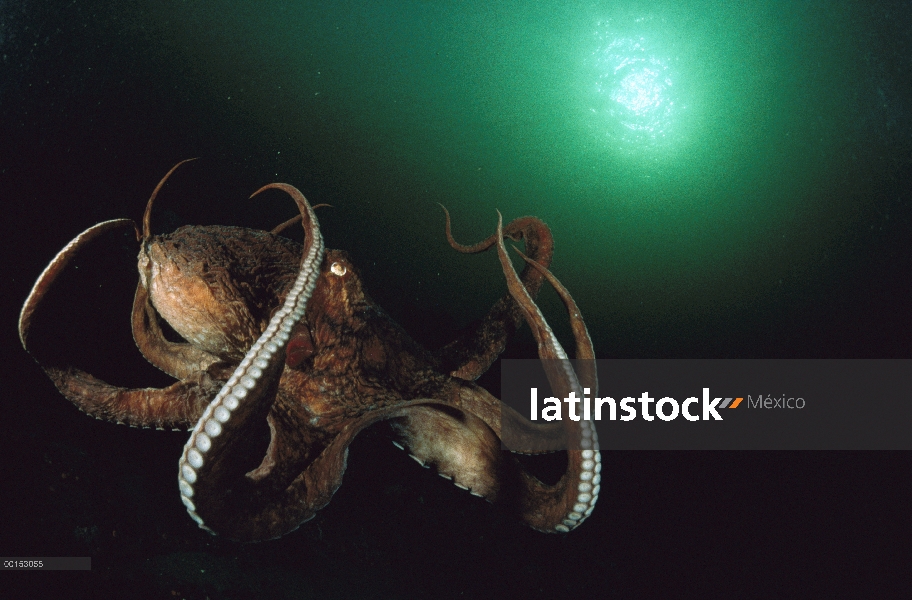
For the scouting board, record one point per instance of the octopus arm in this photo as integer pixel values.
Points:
(563, 506)
(460, 445)
(179, 360)
(478, 346)
(57, 265)
(250, 506)
(174, 407)
(466, 436)
(213, 469)
(465, 449)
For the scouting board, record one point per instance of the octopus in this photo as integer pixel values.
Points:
(285, 359)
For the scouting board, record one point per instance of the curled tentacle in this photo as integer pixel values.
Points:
(565, 505)
(208, 473)
(465, 445)
(170, 408)
(55, 268)
(477, 347)
(147, 215)
(179, 360)
(585, 354)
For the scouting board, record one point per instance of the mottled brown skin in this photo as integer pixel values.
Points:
(347, 365)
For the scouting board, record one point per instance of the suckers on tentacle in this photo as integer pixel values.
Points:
(266, 357)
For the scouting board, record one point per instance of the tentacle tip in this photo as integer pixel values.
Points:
(262, 189)
(147, 215)
(527, 258)
(288, 189)
(446, 216)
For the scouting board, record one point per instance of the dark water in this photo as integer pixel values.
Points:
(720, 181)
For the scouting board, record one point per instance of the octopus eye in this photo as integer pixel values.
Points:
(338, 269)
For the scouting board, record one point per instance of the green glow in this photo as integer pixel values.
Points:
(634, 98)
(686, 154)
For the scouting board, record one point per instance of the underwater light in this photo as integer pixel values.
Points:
(633, 90)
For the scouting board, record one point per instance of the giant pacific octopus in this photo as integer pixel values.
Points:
(284, 350)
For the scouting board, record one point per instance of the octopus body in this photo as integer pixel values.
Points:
(285, 359)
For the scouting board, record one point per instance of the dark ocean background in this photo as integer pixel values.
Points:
(722, 181)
